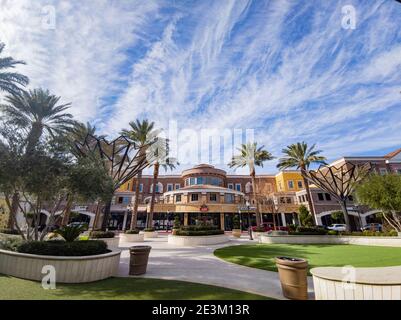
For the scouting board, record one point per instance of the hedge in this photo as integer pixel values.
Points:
(102, 234)
(63, 248)
(192, 233)
(9, 231)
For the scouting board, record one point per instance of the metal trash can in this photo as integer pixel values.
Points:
(138, 263)
(293, 277)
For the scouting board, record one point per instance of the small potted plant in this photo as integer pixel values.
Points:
(177, 224)
(131, 236)
(236, 232)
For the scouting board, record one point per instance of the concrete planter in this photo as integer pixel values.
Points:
(325, 239)
(149, 234)
(192, 241)
(399, 234)
(333, 283)
(257, 235)
(112, 243)
(68, 269)
(124, 237)
(236, 233)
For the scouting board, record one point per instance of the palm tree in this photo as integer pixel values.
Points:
(39, 111)
(299, 156)
(11, 82)
(141, 133)
(159, 157)
(251, 156)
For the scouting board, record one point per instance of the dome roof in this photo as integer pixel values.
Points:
(203, 169)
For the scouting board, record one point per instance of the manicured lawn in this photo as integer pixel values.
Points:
(119, 289)
(262, 256)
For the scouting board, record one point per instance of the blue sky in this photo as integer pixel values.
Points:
(287, 69)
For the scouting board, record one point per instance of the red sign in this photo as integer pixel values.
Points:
(204, 208)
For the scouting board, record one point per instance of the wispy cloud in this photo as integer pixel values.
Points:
(286, 68)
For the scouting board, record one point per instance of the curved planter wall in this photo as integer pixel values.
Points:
(131, 237)
(365, 283)
(112, 243)
(197, 240)
(367, 241)
(149, 234)
(68, 269)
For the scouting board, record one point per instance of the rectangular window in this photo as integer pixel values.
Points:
(213, 197)
(120, 200)
(320, 196)
(238, 186)
(128, 186)
(177, 186)
(177, 198)
(289, 200)
(230, 186)
(169, 187)
(300, 184)
(194, 197)
(199, 180)
(141, 187)
(291, 184)
(299, 198)
(229, 198)
(328, 197)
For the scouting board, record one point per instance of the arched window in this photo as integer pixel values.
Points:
(248, 187)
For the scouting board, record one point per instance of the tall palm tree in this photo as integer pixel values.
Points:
(39, 111)
(159, 158)
(251, 156)
(299, 156)
(141, 133)
(11, 82)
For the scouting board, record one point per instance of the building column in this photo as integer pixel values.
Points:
(222, 221)
(125, 219)
(185, 219)
(283, 219)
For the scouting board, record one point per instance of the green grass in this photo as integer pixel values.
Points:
(119, 289)
(262, 256)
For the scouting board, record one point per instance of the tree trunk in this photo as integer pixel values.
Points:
(309, 198)
(134, 215)
(66, 217)
(13, 210)
(34, 136)
(257, 211)
(346, 216)
(149, 221)
(106, 215)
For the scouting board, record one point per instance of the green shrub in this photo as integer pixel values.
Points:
(9, 231)
(70, 233)
(10, 244)
(309, 231)
(199, 227)
(193, 233)
(149, 229)
(368, 233)
(177, 222)
(102, 234)
(305, 217)
(63, 248)
(135, 231)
